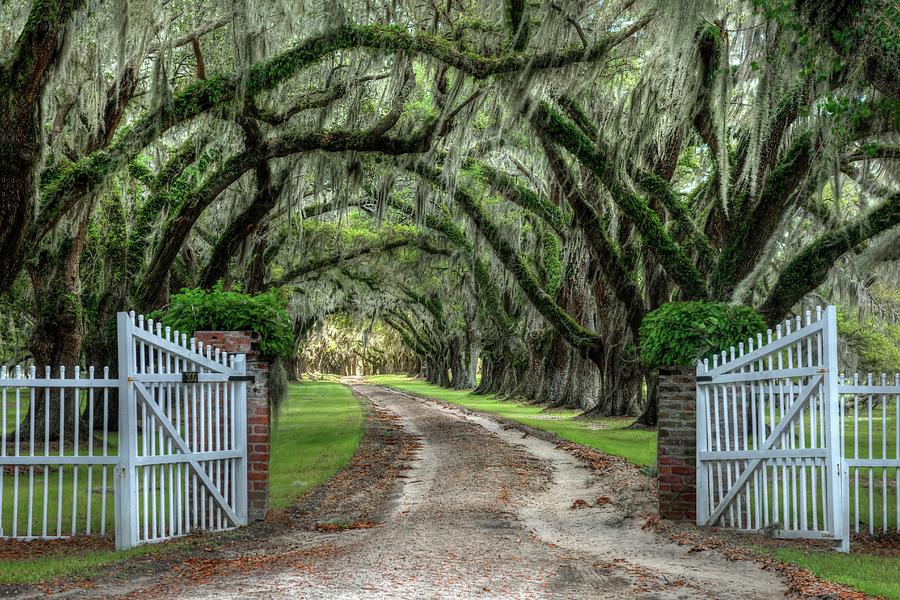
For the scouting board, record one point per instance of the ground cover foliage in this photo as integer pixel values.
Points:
(509, 188)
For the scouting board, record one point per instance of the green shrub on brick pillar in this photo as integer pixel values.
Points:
(218, 309)
(673, 338)
(259, 327)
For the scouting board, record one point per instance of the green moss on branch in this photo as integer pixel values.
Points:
(584, 340)
(201, 96)
(757, 223)
(671, 256)
(519, 194)
(808, 270)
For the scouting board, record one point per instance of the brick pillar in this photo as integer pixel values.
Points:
(676, 449)
(246, 342)
(257, 438)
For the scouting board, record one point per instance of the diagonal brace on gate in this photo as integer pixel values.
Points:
(163, 419)
(752, 464)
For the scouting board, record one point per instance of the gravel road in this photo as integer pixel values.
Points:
(487, 512)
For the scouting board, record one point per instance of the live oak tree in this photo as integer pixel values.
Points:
(505, 184)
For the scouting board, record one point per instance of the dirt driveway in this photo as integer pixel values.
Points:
(487, 512)
(481, 511)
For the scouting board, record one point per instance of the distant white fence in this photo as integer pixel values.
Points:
(787, 445)
(175, 463)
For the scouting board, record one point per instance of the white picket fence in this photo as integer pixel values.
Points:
(870, 437)
(175, 463)
(782, 444)
(49, 505)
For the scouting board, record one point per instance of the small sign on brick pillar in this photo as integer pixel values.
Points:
(677, 446)
(246, 342)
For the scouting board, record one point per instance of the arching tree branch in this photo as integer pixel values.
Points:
(580, 338)
(670, 255)
(810, 268)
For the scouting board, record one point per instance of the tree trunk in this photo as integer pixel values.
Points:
(460, 375)
(556, 372)
(16, 202)
(584, 384)
(536, 343)
(650, 415)
(487, 374)
(510, 385)
(59, 331)
(23, 79)
(443, 372)
(472, 363)
(573, 379)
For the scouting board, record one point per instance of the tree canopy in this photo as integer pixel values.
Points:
(506, 184)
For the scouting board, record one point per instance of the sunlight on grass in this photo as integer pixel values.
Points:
(315, 434)
(609, 435)
(875, 575)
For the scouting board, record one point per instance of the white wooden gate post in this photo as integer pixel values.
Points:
(240, 428)
(702, 465)
(126, 492)
(836, 469)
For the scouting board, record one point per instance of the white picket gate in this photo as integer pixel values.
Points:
(177, 462)
(778, 436)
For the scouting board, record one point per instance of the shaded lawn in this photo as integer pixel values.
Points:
(316, 433)
(609, 435)
(84, 563)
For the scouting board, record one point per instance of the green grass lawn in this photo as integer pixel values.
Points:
(83, 563)
(316, 433)
(875, 575)
(610, 435)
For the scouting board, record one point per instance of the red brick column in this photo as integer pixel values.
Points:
(677, 445)
(245, 342)
(257, 438)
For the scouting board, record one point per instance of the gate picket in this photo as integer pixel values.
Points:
(770, 444)
(182, 388)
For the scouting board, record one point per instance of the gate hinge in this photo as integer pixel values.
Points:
(250, 378)
(704, 378)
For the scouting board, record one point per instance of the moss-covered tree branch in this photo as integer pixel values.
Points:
(582, 339)
(810, 267)
(755, 228)
(151, 291)
(605, 253)
(240, 229)
(341, 256)
(655, 186)
(519, 194)
(69, 186)
(670, 255)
